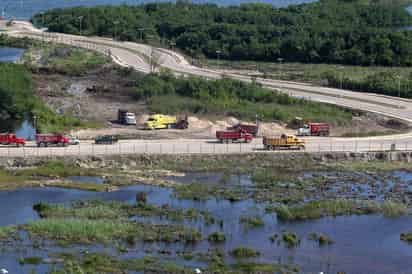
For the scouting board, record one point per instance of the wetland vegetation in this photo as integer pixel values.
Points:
(220, 215)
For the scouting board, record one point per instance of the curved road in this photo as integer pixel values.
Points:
(145, 58)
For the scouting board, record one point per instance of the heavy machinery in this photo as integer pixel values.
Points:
(314, 129)
(11, 139)
(160, 121)
(249, 128)
(52, 139)
(229, 136)
(284, 141)
(125, 117)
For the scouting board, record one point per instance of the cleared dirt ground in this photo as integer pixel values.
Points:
(99, 94)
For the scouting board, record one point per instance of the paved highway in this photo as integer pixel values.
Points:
(142, 57)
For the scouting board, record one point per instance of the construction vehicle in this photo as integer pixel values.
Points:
(284, 141)
(57, 139)
(229, 136)
(125, 117)
(314, 129)
(11, 139)
(249, 128)
(160, 121)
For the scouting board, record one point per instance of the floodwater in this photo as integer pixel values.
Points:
(363, 244)
(10, 54)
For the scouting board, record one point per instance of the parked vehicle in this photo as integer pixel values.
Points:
(57, 139)
(182, 123)
(106, 139)
(314, 129)
(229, 136)
(159, 121)
(11, 139)
(73, 140)
(249, 128)
(125, 117)
(284, 141)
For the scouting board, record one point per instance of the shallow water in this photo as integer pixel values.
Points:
(363, 244)
(10, 54)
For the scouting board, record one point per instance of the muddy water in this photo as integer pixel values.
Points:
(363, 244)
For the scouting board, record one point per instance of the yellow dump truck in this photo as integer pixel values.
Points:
(284, 141)
(159, 121)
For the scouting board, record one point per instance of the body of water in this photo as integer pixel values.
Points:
(362, 244)
(10, 54)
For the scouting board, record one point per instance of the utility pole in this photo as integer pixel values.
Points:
(115, 28)
(280, 60)
(399, 85)
(80, 24)
(218, 52)
(140, 30)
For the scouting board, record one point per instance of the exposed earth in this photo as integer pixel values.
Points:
(99, 94)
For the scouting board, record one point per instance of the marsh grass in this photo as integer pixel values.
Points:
(318, 209)
(244, 252)
(80, 230)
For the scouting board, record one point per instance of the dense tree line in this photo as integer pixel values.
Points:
(166, 93)
(385, 82)
(358, 32)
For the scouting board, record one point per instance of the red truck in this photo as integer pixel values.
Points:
(229, 136)
(314, 129)
(52, 139)
(11, 139)
(249, 128)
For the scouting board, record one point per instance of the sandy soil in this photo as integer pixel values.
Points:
(98, 96)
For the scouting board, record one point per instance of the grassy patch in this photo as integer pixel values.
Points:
(216, 237)
(406, 236)
(291, 239)
(321, 238)
(80, 230)
(251, 221)
(318, 209)
(165, 93)
(244, 252)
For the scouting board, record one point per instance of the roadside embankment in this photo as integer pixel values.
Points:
(211, 161)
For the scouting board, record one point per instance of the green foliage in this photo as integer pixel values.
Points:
(318, 209)
(384, 82)
(291, 239)
(17, 101)
(252, 221)
(166, 93)
(329, 31)
(216, 237)
(244, 252)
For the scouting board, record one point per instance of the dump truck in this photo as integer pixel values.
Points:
(11, 139)
(249, 128)
(229, 136)
(58, 139)
(160, 121)
(284, 141)
(125, 117)
(314, 129)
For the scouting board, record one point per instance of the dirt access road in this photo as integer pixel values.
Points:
(138, 56)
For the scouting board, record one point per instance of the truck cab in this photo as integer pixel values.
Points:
(304, 131)
(130, 118)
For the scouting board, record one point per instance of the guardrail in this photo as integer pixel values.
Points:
(192, 147)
